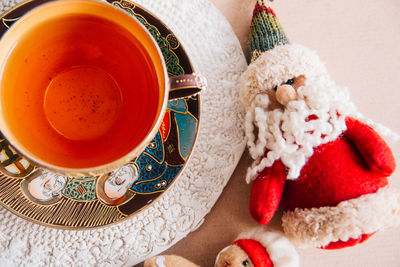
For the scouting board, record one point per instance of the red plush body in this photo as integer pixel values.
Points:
(358, 162)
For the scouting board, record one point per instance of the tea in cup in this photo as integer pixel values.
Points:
(83, 87)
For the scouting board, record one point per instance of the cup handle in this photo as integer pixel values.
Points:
(186, 85)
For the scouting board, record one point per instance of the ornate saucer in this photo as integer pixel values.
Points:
(54, 200)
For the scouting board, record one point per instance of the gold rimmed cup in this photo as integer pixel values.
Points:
(83, 87)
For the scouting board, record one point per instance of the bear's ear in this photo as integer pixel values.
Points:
(169, 261)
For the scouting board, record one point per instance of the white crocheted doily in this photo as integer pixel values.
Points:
(215, 53)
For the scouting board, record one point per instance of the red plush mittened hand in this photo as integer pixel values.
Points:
(372, 147)
(267, 191)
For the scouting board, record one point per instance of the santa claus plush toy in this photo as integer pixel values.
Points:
(313, 151)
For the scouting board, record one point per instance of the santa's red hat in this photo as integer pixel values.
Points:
(267, 248)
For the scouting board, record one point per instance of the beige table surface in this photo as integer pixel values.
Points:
(360, 40)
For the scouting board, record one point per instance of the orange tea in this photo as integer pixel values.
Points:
(79, 90)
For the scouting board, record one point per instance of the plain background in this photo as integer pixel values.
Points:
(359, 40)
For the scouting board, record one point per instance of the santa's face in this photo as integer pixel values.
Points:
(294, 117)
(47, 186)
(120, 181)
(319, 93)
(233, 256)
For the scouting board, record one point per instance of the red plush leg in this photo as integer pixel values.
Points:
(372, 147)
(266, 192)
(349, 243)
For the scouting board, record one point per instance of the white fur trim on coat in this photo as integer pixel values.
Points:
(317, 227)
(281, 252)
(276, 66)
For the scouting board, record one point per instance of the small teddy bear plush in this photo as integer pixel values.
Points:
(255, 248)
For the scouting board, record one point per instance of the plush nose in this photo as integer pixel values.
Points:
(285, 93)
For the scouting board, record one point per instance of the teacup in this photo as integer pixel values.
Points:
(83, 87)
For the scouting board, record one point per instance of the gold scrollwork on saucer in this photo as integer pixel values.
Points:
(172, 41)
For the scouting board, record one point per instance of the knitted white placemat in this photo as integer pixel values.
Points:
(215, 52)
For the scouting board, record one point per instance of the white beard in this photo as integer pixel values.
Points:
(287, 134)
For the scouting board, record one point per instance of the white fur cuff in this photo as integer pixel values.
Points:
(317, 227)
